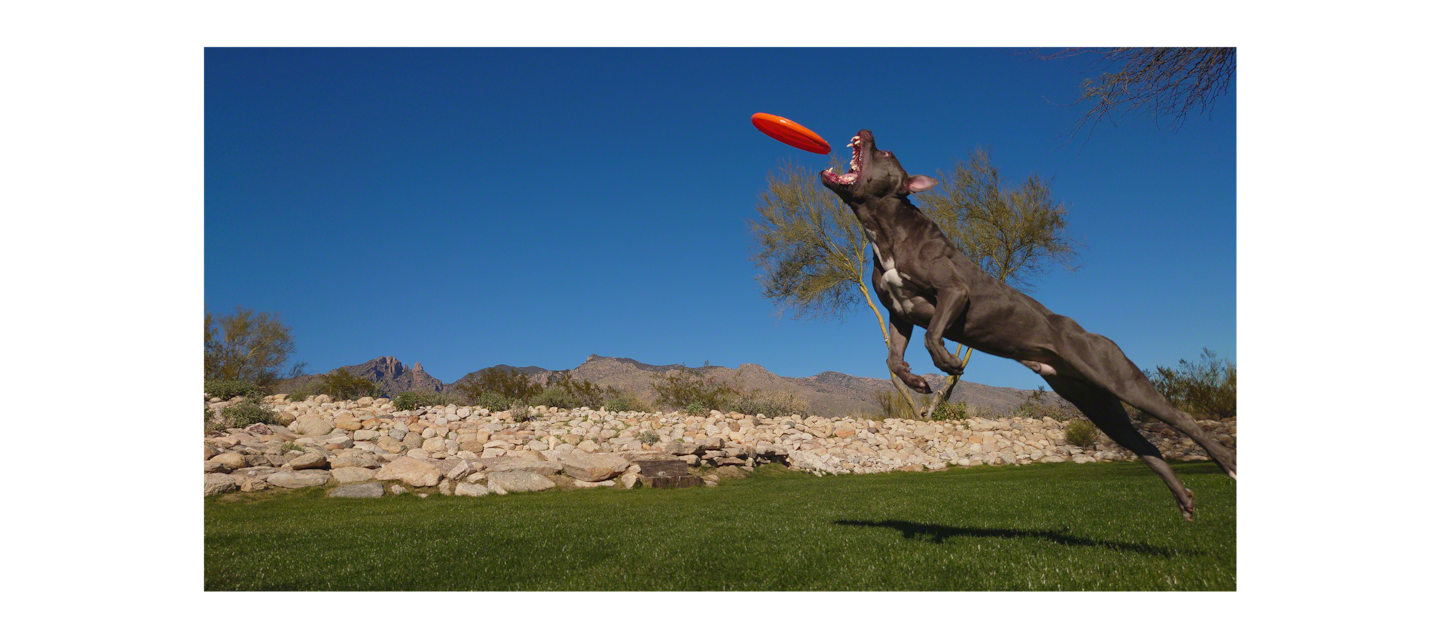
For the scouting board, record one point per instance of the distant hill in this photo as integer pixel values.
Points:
(829, 394)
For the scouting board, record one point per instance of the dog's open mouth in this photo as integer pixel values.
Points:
(856, 163)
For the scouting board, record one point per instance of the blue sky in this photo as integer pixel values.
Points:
(471, 207)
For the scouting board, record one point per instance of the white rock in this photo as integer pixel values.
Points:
(471, 489)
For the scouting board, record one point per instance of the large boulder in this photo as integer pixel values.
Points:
(518, 481)
(220, 484)
(358, 490)
(471, 489)
(298, 478)
(413, 471)
(593, 468)
(352, 474)
(312, 425)
(226, 462)
(680, 447)
(520, 464)
(309, 461)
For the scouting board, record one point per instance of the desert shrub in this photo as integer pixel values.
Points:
(892, 405)
(231, 388)
(581, 392)
(948, 411)
(492, 401)
(1081, 433)
(1036, 407)
(557, 397)
(768, 403)
(247, 412)
(648, 437)
(511, 384)
(520, 411)
(343, 384)
(626, 401)
(688, 387)
(1205, 389)
(406, 401)
(431, 397)
(210, 423)
(299, 395)
(696, 409)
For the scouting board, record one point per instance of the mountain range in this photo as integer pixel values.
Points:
(829, 394)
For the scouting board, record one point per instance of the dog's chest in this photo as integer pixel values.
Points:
(902, 298)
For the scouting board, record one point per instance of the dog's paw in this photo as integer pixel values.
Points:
(918, 383)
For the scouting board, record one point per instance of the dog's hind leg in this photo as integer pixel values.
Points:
(1106, 412)
(1101, 362)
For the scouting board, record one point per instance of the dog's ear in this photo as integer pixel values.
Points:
(919, 183)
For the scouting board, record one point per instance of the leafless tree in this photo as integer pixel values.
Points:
(1170, 81)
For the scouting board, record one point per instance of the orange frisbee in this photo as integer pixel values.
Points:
(790, 133)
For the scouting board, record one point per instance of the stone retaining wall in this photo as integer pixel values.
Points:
(365, 445)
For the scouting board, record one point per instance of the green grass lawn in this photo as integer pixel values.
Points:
(1106, 526)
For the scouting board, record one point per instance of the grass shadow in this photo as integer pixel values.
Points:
(939, 533)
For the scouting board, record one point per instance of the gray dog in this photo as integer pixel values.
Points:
(922, 279)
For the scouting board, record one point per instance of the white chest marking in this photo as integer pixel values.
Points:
(890, 278)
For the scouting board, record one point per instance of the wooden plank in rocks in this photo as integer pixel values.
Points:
(667, 473)
(662, 467)
(672, 481)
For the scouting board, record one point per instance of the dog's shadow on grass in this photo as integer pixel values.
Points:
(940, 533)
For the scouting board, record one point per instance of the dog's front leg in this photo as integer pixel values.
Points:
(950, 303)
(899, 339)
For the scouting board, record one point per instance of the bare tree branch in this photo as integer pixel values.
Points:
(1169, 81)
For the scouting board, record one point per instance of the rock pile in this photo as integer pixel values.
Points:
(460, 450)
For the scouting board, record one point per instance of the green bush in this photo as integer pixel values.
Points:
(492, 401)
(406, 401)
(299, 395)
(520, 411)
(210, 423)
(580, 392)
(343, 384)
(948, 411)
(511, 384)
(767, 403)
(892, 405)
(431, 397)
(626, 401)
(247, 412)
(687, 387)
(1206, 389)
(556, 397)
(696, 409)
(648, 437)
(229, 389)
(1036, 407)
(1081, 433)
